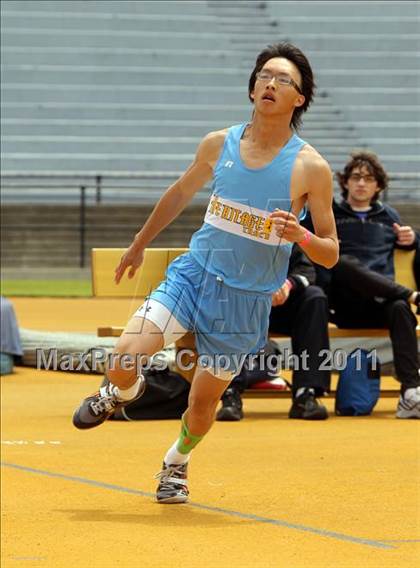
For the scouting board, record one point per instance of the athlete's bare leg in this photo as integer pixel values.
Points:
(140, 340)
(205, 394)
(140, 336)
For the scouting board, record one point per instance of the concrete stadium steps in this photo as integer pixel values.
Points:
(358, 85)
(201, 22)
(326, 9)
(108, 67)
(148, 94)
(375, 95)
(384, 112)
(141, 77)
(250, 43)
(126, 10)
(67, 38)
(161, 57)
(230, 114)
(372, 60)
(99, 162)
(138, 148)
(169, 128)
(136, 111)
(89, 21)
(319, 129)
(121, 7)
(189, 94)
(324, 25)
(330, 41)
(144, 144)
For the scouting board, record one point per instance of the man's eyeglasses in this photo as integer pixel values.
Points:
(280, 79)
(358, 177)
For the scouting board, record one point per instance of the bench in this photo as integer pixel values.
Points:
(151, 273)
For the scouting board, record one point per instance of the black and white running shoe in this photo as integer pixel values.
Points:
(173, 484)
(98, 407)
(306, 407)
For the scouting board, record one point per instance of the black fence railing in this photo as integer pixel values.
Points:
(83, 189)
(149, 185)
(41, 186)
(137, 188)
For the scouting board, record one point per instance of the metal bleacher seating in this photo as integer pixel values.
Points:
(132, 86)
(366, 56)
(114, 96)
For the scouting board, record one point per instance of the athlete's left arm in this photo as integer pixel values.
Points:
(321, 247)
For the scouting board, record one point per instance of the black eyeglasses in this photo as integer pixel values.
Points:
(280, 79)
(357, 177)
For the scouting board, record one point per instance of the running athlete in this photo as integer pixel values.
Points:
(263, 175)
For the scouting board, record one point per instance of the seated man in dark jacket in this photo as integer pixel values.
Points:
(361, 287)
(301, 311)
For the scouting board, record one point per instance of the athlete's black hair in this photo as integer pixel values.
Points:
(295, 55)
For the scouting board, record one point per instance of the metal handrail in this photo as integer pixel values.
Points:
(99, 181)
(139, 175)
(83, 181)
(89, 179)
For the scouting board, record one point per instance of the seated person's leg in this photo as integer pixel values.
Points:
(308, 325)
(305, 317)
(349, 309)
(402, 325)
(231, 410)
(352, 274)
(401, 322)
(262, 367)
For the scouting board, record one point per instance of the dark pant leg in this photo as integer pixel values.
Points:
(356, 312)
(352, 274)
(402, 328)
(305, 318)
(416, 265)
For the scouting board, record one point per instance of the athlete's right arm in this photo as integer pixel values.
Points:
(173, 201)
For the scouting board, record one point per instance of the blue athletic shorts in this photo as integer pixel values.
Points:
(228, 323)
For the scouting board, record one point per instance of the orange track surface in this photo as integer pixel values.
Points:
(72, 314)
(267, 492)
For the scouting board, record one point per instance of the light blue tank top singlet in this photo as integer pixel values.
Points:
(237, 241)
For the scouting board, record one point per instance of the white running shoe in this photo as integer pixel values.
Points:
(409, 404)
(173, 484)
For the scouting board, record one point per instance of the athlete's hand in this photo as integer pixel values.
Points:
(287, 226)
(281, 295)
(133, 257)
(405, 235)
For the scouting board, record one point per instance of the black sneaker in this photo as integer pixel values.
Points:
(173, 484)
(98, 407)
(231, 410)
(307, 407)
